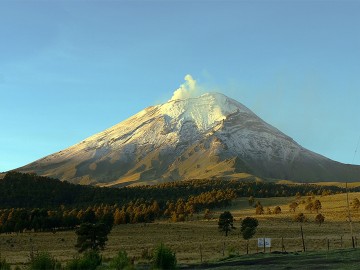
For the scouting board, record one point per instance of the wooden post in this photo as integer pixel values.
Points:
(349, 216)
(282, 245)
(264, 246)
(201, 255)
(328, 244)
(341, 241)
(302, 237)
(355, 241)
(224, 249)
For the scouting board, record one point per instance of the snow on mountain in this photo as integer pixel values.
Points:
(208, 136)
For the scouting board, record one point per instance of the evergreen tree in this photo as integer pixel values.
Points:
(92, 236)
(226, 222)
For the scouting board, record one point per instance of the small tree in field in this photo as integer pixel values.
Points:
(319, 219)
(309, 207)
(301, 219)
(293, 206)
(277, 210)
(317, 206)
(259, 210)
(356, 204)
(92, 236)
(226, 222)
(248, 229)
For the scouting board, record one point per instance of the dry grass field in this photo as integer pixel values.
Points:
(187, 238)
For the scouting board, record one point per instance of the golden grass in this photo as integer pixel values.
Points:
(185, 238)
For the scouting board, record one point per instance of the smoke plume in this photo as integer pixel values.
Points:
(189, 89)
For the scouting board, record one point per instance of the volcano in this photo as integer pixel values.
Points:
(204, 137)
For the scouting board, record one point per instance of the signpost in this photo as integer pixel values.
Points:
(264, 243)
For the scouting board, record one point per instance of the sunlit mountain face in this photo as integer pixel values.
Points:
(203, 137)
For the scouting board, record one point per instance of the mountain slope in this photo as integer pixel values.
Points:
(208, 136)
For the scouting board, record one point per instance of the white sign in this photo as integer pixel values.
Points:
(266, 244)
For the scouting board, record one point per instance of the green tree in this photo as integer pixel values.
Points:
(44, 261)
(248, 229)
(92, 236)
(121, 261)
(90, 261)
(89, 216)
(164, 258)
(226, 222)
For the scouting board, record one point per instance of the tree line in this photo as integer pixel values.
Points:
(27, 190)
(139, 211)
(32, 202)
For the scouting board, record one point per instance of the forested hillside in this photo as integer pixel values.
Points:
(31, 202)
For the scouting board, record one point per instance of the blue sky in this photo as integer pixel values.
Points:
(70, 69)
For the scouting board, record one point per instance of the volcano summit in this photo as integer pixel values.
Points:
(208, 136)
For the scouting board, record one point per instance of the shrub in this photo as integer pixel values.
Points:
(121, 261)
(44, 261)
(4, 265)
(73, 264)
(164, 258)
(90, 261)
(232, 251)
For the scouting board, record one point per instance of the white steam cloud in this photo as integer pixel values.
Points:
(189, 89)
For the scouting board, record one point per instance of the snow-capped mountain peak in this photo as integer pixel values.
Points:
(205, 111)
(197, 137)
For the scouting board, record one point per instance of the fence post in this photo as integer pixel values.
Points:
(302, 237)
(201, 256)
(264, 246)
(341, 241)
(328, 244)
(355, 241)
(282, 245)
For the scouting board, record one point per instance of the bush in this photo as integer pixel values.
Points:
(121, 261)
(164, 258)
(44, 261)
(4, 265)
(89, 261)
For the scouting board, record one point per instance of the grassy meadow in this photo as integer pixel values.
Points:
(200, 239)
